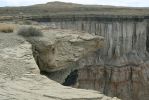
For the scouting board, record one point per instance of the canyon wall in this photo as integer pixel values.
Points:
(121, 67)
(20, 78)
(58, 50)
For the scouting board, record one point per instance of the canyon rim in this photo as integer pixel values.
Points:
(101, 48)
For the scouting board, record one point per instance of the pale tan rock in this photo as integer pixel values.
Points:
(20, 78)
(37, 87)
(60, 49)
(120, 68)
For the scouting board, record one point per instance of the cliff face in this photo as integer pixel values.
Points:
(58, 50)
(20, 78)
(121, 67)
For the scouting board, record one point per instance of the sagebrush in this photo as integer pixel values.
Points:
(29, 32)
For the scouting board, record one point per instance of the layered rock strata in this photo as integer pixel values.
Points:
(121, 67)
(62, 50)
(20, 78)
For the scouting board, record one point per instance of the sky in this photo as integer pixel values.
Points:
(130, 3)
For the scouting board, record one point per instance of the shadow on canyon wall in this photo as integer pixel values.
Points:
(121, 67)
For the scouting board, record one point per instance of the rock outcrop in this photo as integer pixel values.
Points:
(58, 50)
(121, 67)
(37, 87)
(61, 50)
(20, 78)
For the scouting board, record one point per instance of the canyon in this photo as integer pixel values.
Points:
(118, 69)
(20, 77)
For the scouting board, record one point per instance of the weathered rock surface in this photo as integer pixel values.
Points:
(61, 49)
(121, 67)
(37, 87)
(20, 78)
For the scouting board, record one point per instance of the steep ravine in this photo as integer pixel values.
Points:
(121, 68)
(20, 78)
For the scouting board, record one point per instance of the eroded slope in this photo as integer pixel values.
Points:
(20, 78)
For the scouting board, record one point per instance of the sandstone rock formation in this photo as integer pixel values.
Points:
(121, 67)
(20, 78)
(62, 49)
(37, 87)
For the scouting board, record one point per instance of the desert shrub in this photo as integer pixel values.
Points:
(29, 32)
(6, 28)
(27, 22)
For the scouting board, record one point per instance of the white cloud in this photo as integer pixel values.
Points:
(133, 3)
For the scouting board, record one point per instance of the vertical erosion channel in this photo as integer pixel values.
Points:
(121, 67)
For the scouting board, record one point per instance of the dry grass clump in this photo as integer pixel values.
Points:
(6, 28)
(29, 32)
